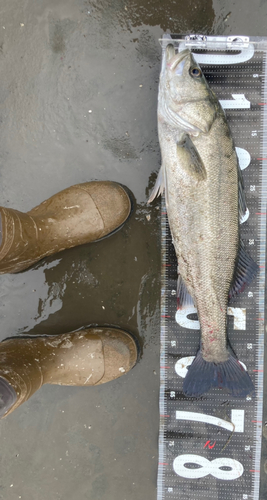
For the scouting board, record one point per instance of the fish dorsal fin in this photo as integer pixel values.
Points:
(246, 269)
(160, 186)
(184, 299)
(241, 195)
(190, 161)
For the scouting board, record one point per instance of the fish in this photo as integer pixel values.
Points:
(205, 200)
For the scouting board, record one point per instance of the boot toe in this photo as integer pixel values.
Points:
(113, 204)
(120, 353)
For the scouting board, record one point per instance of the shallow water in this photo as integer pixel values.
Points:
(58, 61)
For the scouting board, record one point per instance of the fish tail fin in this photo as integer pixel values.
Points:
(203, 375)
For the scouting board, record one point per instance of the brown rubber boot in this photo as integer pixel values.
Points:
(79, 214)
(87, 357)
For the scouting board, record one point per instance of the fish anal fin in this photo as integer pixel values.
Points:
(245, 271)
(184, 299)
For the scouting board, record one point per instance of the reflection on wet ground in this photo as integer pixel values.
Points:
(111, 282)
(171, 16)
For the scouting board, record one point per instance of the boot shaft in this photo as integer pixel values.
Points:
(19, 234)
(19, 366)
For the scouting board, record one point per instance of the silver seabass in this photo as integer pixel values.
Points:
(205, 199)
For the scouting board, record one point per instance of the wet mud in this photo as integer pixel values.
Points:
(78, 99)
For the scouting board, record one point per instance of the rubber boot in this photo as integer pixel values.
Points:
(79, 214)
(85, 358)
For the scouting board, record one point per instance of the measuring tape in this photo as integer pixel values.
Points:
(211, 446)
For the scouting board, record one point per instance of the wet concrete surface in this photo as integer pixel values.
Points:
(78, 100)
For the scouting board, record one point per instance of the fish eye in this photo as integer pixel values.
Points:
(195, 72)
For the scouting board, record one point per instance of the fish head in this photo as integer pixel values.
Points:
(185, 99)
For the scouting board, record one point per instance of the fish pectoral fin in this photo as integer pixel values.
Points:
(190, 161)
(246, 269)
(184, 299)
(160, 186)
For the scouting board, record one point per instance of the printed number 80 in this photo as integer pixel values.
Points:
(207, 467)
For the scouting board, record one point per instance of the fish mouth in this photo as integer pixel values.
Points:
(175, 60)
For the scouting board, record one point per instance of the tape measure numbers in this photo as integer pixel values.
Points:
(211, 446)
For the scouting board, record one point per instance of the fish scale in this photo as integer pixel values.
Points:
(211, 446)
(223, 237)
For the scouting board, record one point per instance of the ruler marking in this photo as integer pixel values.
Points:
(249, 434)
